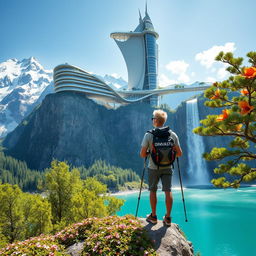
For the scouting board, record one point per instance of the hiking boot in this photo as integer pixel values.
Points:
(167, 221)
(152, 219)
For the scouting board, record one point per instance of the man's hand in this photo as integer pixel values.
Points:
(178, 151)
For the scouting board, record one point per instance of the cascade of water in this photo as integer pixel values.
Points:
(197, 168)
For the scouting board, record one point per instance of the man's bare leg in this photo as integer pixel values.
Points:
(153, 202)
(168, 203)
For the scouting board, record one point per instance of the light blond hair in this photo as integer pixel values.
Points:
(160, 115)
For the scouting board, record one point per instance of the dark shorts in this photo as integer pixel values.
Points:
(155, 175)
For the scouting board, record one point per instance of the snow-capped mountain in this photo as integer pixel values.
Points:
(115, 82)
(21, 85)
(24, 84)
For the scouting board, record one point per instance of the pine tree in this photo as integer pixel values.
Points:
(236, 97)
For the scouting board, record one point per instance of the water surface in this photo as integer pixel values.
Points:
(220, 222)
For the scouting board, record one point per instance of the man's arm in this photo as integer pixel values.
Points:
(178, 151)
(143, 152)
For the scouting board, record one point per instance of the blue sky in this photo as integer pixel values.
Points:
(191, 32)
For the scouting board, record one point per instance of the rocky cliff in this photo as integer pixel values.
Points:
(68, 126)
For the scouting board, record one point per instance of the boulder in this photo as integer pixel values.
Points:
(168, 241)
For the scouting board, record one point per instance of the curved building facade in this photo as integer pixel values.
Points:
(70, 78)
(140, 52)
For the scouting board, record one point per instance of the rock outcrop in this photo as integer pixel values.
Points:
(168, 241)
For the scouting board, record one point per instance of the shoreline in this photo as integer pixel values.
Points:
(126, 192)
(129, 192)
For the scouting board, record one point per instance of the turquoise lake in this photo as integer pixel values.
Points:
(220, 222)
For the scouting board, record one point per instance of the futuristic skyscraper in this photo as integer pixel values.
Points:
(140, 52)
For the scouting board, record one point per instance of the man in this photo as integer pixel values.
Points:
(155, 173)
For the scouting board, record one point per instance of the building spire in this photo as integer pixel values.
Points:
(146, 9)
(140, 16)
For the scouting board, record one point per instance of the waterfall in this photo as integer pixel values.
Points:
(197, 168)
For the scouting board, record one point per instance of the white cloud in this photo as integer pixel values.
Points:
(165, 81)
(184, 78)
(210, 80)
(222, 73)
(207, 58)
(177, 67)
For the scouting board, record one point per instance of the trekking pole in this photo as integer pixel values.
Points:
(142, 178)
(184, 206)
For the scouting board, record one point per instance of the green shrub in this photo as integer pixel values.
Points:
(118, 236)
(106, 236)
(41, 246)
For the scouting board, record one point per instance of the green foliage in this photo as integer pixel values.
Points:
(66, 199)
(37, 215)
(22, 215)
(11, 215)
(134, 185)
(118, 235)
(41, 246)
(236, 97)
(101, 236)
(13, 171)
(114, 177)
(92, 201)
(61, 185)
(166, 107)
(73, 199)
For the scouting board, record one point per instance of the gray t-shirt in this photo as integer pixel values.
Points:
(147, 143)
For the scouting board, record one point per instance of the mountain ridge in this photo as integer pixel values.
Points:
(23, 85)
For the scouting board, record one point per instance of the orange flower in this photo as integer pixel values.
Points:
(223, 116)
(245, 107)
(249, 72)
(216, 94)
(239, 127)
(244, 92)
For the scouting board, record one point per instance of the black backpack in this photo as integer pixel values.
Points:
(162, 152)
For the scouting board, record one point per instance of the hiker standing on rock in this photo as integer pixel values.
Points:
(162, 145)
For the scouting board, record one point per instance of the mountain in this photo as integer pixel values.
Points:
(115, 82)
(23, 85)
(70, 127)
